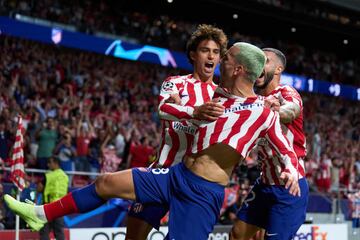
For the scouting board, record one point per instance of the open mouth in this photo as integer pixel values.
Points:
(209, 65)
(262, 74)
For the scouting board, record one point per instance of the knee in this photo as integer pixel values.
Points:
(103, 184)
(236, 233)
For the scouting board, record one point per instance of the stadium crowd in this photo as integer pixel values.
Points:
(99, 114)
(172, 32)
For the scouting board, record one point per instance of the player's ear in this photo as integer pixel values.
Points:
(279, 69)
(239, 69)
(192, 55)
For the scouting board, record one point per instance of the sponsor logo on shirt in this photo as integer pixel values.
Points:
(187, 129)
(243, 107)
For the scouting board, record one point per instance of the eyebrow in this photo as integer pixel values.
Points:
(209, 48)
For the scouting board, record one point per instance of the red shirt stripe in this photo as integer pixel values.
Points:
(177, 136)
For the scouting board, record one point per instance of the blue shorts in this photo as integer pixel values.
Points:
(272, 208)
(150, 213)
(194, 203)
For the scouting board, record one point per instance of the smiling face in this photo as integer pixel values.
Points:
(205, 58)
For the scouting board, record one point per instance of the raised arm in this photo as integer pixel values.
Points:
(91, 127)
(79, 125)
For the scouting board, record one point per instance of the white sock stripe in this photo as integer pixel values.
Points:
(40, 212)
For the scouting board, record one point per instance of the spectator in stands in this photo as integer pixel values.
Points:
(109, 160)
(2, 209)
(336, 166)
(34, 126)
(66, 153)
(95, 151)
(5, 140)
(54, 187)
(47, 137)
(141, 153)
(171, 32)
(316, 146)
(133, 88)
(323, 176)
(120, 141)
(84, 134)
(311, 167)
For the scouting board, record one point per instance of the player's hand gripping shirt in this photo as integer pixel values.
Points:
(243, 122)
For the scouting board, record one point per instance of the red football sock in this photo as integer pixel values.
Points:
(64, 206)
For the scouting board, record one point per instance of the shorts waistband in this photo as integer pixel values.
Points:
(260, 180)
(199, 180)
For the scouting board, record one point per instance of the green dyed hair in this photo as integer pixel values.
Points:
(252, 58)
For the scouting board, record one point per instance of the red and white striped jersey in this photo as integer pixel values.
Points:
(177, 136)
(271, 165)
(244, 121)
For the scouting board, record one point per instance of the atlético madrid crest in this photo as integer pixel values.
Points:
(56, 35)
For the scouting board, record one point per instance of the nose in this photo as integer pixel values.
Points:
(211, 55)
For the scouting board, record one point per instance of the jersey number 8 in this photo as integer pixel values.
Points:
(160, 171)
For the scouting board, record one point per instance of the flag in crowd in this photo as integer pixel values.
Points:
(17, 175)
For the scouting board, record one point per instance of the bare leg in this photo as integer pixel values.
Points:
(137, 229)
(243, 231)
(109, 185)
(118, 184)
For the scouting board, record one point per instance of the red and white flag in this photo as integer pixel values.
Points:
(17, 174)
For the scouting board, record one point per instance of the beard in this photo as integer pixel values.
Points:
(268, 77)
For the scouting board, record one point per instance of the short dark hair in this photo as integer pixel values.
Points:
(55, 159)
(280, 55)
(206, 32)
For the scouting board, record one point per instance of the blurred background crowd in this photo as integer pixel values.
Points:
(99, 114)
(134, 23)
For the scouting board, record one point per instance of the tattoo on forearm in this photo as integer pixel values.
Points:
(289, 112)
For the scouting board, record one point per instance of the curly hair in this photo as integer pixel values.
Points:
(206, 32)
